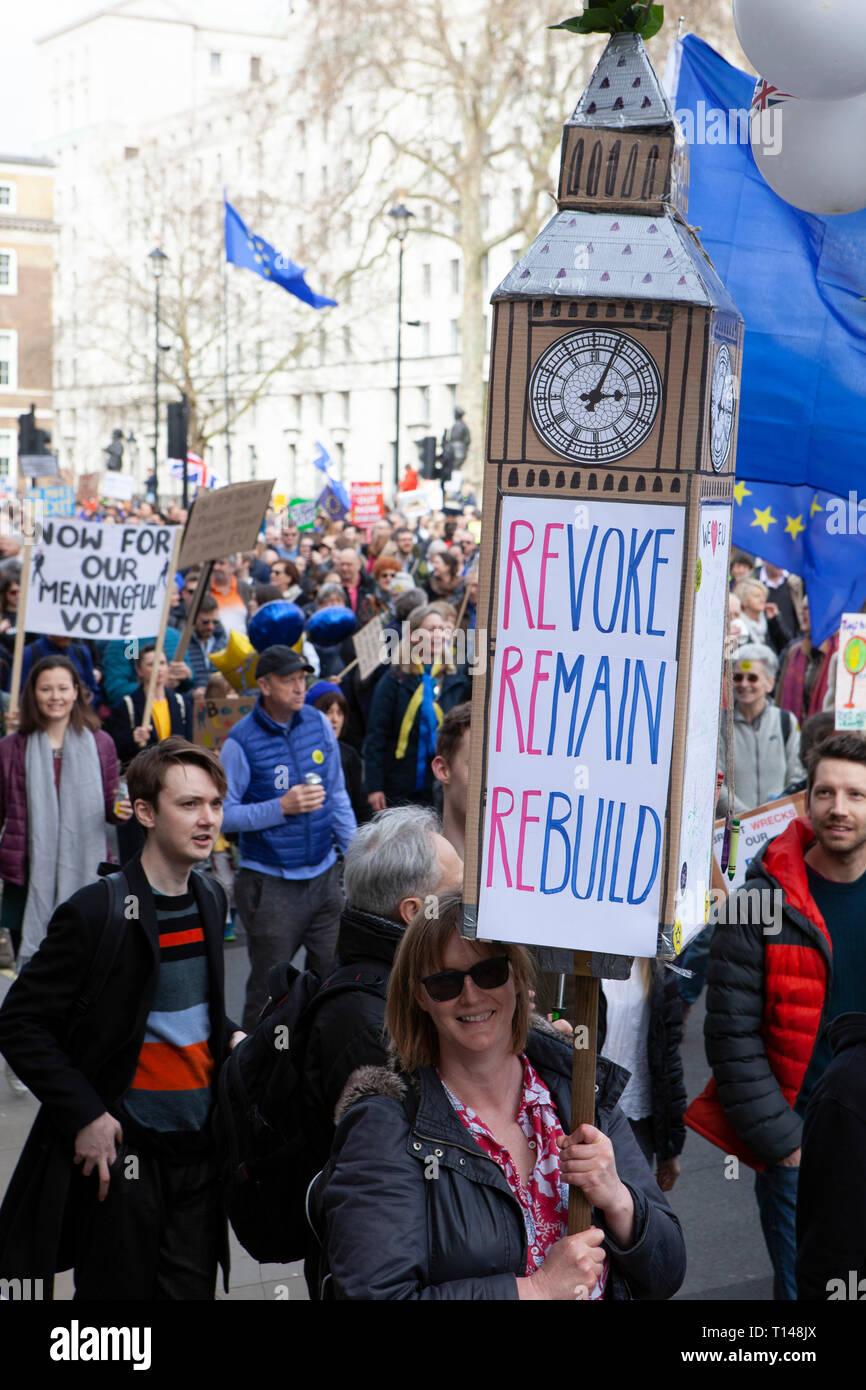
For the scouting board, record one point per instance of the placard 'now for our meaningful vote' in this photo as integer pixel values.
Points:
(581, 720)
(92, 580)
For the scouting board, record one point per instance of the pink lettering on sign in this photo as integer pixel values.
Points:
(512, 662)
(525, 819)
(497, 830)
(513, 566)
(547, 554)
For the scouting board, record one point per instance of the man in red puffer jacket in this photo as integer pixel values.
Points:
(788, 956)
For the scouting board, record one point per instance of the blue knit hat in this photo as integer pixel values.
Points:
(321, 688)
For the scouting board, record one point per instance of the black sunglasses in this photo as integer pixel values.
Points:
(489, 973)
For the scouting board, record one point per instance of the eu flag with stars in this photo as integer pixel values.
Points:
(798, 281)
(245, 249)
(812, 533)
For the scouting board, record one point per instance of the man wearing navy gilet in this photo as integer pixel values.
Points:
(288, 889)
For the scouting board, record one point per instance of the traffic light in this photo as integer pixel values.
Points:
(427, 455)
(27, 432)
(178, 419)
(30, 439)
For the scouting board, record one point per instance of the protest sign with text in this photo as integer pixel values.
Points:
(581, 721)
(92, 580)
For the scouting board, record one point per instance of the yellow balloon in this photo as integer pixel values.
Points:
(238, 663)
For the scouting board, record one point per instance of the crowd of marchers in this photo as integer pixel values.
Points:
(432, 1099)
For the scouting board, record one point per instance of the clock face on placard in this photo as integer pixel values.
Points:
(594, 395)
(722, 408)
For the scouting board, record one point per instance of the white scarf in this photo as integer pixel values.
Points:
(65, 835)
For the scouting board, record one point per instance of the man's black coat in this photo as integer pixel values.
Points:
(79, 1067)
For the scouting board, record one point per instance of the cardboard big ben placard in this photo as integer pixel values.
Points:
(611, 434)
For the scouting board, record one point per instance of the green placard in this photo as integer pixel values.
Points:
(303, 513)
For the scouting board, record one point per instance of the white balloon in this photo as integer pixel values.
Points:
(809, 48)
(812, 153)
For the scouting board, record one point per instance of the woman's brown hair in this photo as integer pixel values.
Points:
(420, 953)
(82, 716)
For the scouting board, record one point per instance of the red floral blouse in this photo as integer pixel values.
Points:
(544, 1198)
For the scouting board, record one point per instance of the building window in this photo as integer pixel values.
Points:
(320, 407)
(215, 64)
(424, 402)
(299, 186)
(346, 400)
(130, 152)
(484, 270)
(8, 452)
(301, 134)
(455, 277)
(8, 271)
(452, 397)
(255, 68)
(340, 451)
(425, 340)
(8, 197)
(427, 279)
(347, 341)
(9, 360)
(322, 347)
(455, 335)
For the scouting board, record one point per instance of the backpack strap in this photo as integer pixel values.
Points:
(108, 944)
(785, 717)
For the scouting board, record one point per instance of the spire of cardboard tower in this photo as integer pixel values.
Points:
(623, 149)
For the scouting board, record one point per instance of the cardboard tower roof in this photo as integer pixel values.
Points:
(618, 256)
(624, 89)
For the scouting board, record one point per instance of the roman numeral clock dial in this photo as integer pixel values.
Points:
(722, 408)
(594, 395)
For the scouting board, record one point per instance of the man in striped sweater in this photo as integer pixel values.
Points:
(120, 1157)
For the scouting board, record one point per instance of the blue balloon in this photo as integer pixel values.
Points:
(331, 626)
(276, 623)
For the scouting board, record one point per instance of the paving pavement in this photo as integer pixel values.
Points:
(727, 1258)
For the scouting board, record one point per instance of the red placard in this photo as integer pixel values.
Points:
(368, 504)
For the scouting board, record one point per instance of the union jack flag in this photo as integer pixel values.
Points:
(767, 95)
(197, 471)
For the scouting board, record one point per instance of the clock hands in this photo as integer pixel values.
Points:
(593, 397)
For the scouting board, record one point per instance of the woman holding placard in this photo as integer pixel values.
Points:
(449, 1179)
(58, 781)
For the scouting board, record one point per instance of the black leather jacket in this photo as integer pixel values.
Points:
(395, 1225)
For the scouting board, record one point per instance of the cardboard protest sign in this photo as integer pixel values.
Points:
(213, 720)
(851, 673)
(87, 486)
(756, 828)
(368, 504)
(224, 520)
(368, 649)
(611, 440)
(91, 580)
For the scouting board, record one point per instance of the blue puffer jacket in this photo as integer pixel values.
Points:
(279, 757)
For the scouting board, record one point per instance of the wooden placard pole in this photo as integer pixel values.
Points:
(20, 628)
(586, 988)
(160, 641)
(201, 589)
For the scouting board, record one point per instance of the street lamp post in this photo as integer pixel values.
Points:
(156, 258)
(401, 216)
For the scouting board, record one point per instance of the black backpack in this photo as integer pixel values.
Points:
(265, 1153)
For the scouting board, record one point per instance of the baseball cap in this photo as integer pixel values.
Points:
(281, 661)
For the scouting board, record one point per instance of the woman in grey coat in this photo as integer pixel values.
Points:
(766, 738)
